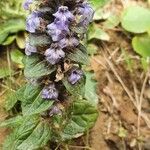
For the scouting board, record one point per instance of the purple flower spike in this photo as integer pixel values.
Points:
(54, 54)
(26, 4)
(56, 31)
(29, 49)
(55, 111)
(64, 15)
(50, 92)
(75, 76)
(68, 42)
(87, 13)
(33, 22)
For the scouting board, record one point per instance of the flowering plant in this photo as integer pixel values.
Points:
(53, 104)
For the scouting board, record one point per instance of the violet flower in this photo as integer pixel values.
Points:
(86, 12)
(64, 15)
(68, 42)
(50, 92)
(29, 49)
(54, 54)
(33, 22)
(26, 4)
(55, 111)
(75, 75)
(56, 31)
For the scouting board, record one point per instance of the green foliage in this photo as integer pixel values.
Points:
(12, 122)
(11, 9)
(141, 45)
(35, 68)
(98, 3)
(136, 19)
(39, 39)
(21, 133)
(90, 89)
(80, 55)
(92, 49)
(82, 117)
(4, 72)
(9, 40)
(38, 138)
(76, 90)
(96, 33)
(17, 56)
(10, 27)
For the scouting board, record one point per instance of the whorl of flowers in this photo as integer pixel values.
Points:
(59, 20)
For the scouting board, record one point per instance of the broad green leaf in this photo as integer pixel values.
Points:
(32, 101)
(13, 97)
(38, 138)
(9, 40)
(17, 57)
(11, 26)
(4, 72)
(90, 89)
(35, 68)
(12, 122)
(136, 19)
(83, 116)
(39, 39)
(112, 22)
(79, 55)
(141, 45)
(21, 133)
(78, 89)
(97, 33)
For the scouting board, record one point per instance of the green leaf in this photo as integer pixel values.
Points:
(20, 40)
(32, 101)
(17, 57)
(141, 45)
(98, 3)
(11, 26)
(4, 72)
(12, 122)
(35, 68)
(92, 49)
(9, 40)
(76, 90)
(136, 19)
(112, 22)
(13, 97)
(97, 33)
(39, 39)
(79, 55)
(145, 63)
(21, 133)
(38, 138)
(90, 89)
(83, 116)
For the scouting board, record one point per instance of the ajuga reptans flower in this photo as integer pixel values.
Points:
(60, 25)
